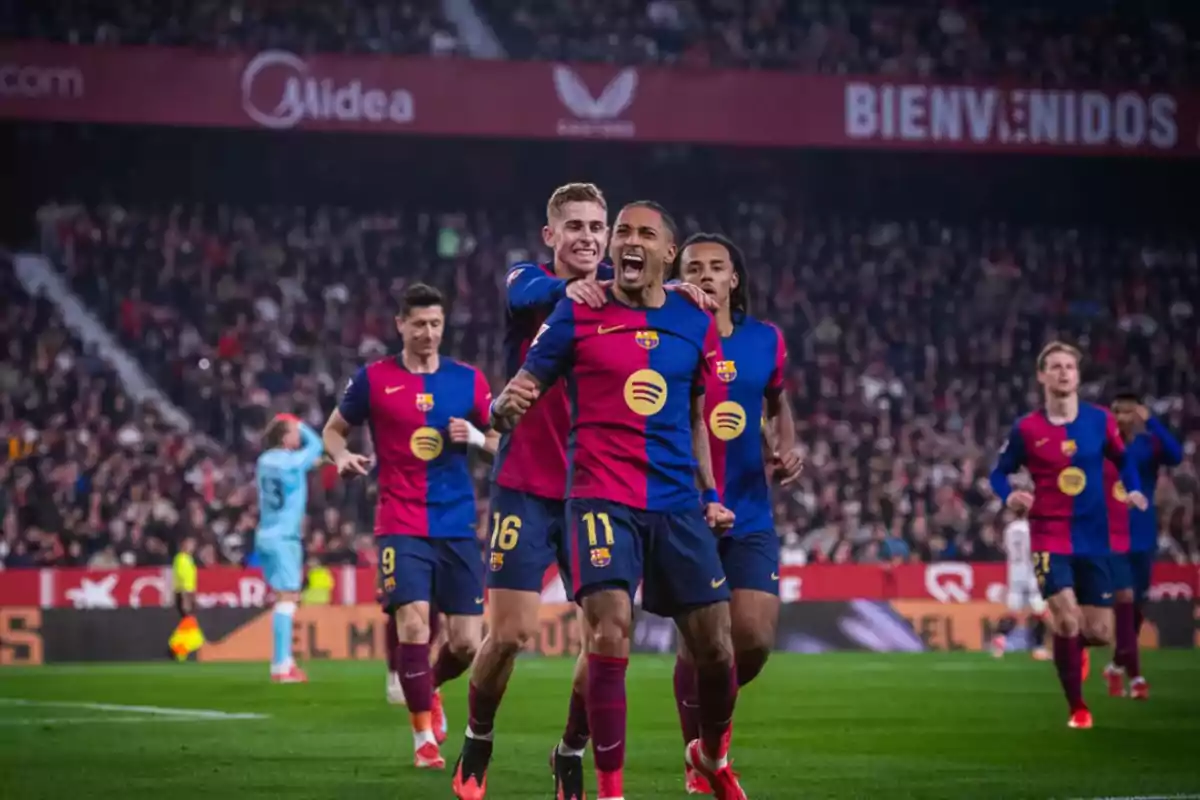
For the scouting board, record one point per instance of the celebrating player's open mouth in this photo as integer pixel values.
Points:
(632, 266)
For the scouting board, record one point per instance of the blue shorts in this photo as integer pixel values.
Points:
(282, 563)
(527, 537)
(1133, 571)
(447, 573)
(751, 561)
(672, 554)
(1090, 577)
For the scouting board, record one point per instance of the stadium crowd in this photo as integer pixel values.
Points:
(911, 346)
(1047, 43)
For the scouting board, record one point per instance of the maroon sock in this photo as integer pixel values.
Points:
(749, 664)
(606, 710)
(482, 710)
(1068, 660)
(576, 734)
(686, 701)
(392, 637)
(1138, 619)
(416, 677)
(717, 690)
(1126, 652)
(448, 666)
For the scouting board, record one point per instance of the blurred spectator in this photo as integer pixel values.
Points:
(411, 27)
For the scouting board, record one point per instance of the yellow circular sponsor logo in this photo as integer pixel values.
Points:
(1071, 481)
(727, 421)
(1119, 493)
(426, 443)
(645, 392)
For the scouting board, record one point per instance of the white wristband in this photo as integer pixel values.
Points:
(475, 437)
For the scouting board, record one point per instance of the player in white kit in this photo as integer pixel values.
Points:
(1023, 591)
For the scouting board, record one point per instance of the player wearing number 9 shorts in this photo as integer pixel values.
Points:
(1064, 446)
(291, 448)
(417, 405)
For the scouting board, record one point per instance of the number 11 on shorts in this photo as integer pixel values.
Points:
(590, 519)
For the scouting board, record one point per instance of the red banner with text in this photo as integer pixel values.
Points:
(231, 587)
(279, 90)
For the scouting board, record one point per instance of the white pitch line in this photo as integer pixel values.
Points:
(1146, 797)
(5, 723)
(186, 713)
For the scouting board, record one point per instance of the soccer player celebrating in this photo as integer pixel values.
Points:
(1149, 444)
(1023, 594)
(1064, 446)
(636, 370)
(291, 449)
(747, 380)
(416, 404)
(529, 489)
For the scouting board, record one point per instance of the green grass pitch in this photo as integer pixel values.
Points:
(953, 726)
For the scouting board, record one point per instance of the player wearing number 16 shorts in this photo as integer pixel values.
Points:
(1064, 446)
(417, 405)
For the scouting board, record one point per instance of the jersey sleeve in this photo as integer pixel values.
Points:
(710, 354)
(775, 382)
(604, 272)
(529, 285)
(552, 350)
(355, 405)
(1012, 458)
(1114, 451)
(1166, 449)
(481, 408)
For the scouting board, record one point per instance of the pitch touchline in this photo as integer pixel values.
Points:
(188, 713)
(1146, 797)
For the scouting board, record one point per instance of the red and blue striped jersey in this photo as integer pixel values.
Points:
(631, 374)
(1132, 529)
(425, 488)
(751, 368)
(1066, 462)
(532, 458)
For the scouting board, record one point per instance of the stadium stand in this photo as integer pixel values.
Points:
(912, 319)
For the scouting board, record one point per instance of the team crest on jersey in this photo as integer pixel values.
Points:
(726, 371)
(1069, 447)
(647, 339)
(1119, 492)
(601, 557)
(497, 562)
(389, 584)
(424, 402)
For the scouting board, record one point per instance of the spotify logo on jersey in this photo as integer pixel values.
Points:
(645, 392)
(727, 421)
(426, 443)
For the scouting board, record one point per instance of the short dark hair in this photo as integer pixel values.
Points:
(1127, 393)
(420, 295)
(668, 220)
(273, 435)
(739, 298)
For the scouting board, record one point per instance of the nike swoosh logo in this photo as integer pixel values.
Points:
(605, 749)
(711, 354)
(774, 576)
(392, 389)
(411, 675)
(478, 601)
(716, 584)
(602, 329)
